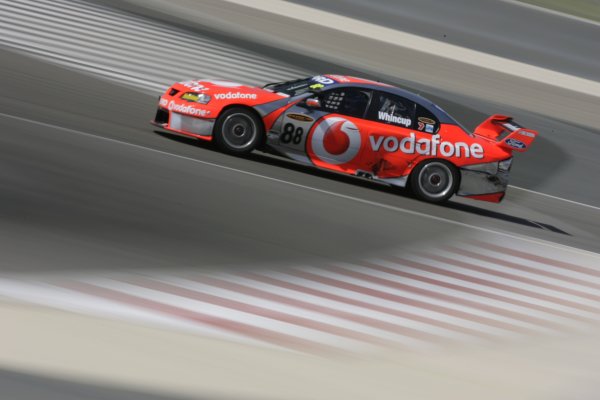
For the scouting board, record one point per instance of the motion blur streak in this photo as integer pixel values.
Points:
(415, 300)
(119, 47)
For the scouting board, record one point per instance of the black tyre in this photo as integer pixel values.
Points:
(238, 131)
(434, 181)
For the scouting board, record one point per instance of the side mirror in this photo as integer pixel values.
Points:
(313, 103)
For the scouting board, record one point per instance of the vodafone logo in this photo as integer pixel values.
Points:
(425, 146)
(187, 109)
(235, 95)
(336, 141)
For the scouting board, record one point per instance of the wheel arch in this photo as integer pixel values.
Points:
(246, 107)
(428, 159)
(415, 185)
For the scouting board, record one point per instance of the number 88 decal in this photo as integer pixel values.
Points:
(291, 134)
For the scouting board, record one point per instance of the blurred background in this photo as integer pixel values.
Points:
(138, 265)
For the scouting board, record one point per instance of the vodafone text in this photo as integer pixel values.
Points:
(231, 95)
(425, 146)
(180, 108)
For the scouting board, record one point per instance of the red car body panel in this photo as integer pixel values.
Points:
(383, 147)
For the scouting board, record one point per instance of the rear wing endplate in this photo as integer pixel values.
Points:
(507, 133)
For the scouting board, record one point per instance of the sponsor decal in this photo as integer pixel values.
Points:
(316, 86)
(323, 79)
(387, 117)
(197, 86)
(187, 109)
(517, 144)
(163, 102)
(340, 78)
(336, 141)
(511, 127)
(300, 117)
(235, 96)
(425, 146)
(527, 134)
(429, 128)
(194, 86)
(426, 120)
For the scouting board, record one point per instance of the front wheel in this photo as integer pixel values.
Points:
(434, 181)
(238, 131)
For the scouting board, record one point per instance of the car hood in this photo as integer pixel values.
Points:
(224, 91)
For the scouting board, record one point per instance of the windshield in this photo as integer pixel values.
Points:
(299, 86)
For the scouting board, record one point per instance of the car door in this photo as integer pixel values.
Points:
(326, 135)
(289, 133)
(391, 138)
(336, 138)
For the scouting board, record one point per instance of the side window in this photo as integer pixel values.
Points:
(347, 101)
(391, 109)
(426, 121)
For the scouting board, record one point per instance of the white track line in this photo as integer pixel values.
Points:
(556, 197)
(553, 12)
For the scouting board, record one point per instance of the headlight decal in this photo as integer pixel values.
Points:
(201, 98)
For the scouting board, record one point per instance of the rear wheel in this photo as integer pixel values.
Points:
(238, 131)
(434, 181)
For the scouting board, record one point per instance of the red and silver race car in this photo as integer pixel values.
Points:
(353, 126)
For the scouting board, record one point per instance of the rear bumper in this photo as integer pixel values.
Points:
(481, 184)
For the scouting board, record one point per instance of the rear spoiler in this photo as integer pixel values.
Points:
(508, 134)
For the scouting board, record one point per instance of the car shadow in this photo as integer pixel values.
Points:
(276, 161)
(501, 216)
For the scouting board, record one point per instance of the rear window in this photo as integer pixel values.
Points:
(391, 109)
(426, 121)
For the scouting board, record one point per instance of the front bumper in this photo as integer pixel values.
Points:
(174, 122)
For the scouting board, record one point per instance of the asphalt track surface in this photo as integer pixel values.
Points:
(504, 28)
(86, 184)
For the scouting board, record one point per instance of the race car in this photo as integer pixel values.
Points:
(353, 126)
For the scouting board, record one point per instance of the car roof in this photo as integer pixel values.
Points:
(344, 80)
